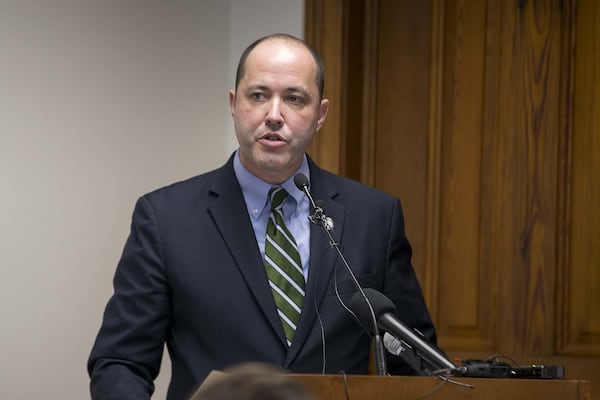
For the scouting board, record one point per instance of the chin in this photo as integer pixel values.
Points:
(273, 160)
(274, 167)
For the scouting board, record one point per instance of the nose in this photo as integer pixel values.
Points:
(274, 119)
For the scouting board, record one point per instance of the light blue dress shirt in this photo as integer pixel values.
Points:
(296, 208)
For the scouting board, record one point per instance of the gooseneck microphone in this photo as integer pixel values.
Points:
(409, 344)
(319, 217)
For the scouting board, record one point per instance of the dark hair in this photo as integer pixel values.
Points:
(253, 381)
(319, 78)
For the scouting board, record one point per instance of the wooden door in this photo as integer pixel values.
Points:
(483, 117)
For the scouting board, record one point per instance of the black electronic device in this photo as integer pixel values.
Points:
(493, 368)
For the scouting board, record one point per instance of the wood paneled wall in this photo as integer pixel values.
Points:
(483, 117)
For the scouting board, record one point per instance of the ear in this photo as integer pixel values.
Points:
(232, 102)
(323, 108)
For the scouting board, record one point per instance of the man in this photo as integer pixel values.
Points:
(195, 274)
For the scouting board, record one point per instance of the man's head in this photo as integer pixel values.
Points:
(277, 105)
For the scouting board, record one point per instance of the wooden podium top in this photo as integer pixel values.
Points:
(370, 387)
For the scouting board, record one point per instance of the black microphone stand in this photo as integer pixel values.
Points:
(318, 217)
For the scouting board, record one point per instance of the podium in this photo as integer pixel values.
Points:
(335, 387)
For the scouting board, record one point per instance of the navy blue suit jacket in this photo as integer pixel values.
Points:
(191, 276)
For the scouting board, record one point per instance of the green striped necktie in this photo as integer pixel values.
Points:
(283, 265)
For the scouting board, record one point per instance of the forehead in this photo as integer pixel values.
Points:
(280, 61)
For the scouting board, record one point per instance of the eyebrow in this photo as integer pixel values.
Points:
(300, 90)
(291, 89)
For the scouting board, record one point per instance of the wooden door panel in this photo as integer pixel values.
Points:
(579, 322)
(401, 118)
(464, 307)
(483, 117)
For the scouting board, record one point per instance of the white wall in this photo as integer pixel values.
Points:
(100, 102)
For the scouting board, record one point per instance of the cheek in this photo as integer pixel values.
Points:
(303, 133)
(303, 125)
(246, 116)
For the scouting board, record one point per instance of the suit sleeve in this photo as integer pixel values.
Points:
(126, 356)
(402, 287)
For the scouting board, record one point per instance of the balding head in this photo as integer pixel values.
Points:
(319, 69)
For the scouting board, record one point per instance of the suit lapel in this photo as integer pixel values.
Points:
(228, 211)
(322, 259)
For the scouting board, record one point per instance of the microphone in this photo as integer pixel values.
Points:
(301, 182)
(393, 345)
(403, 338)
(318, 217)
(401, 349)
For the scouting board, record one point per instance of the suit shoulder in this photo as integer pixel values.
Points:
(181, 185)
(350, 187)
(192, 189)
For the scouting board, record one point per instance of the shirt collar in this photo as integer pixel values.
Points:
(255, 190)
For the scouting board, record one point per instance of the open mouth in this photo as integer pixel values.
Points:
(272, 137)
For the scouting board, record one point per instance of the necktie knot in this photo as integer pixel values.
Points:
(277, 195)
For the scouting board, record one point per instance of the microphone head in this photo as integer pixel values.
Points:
(301, 181)
(380, 303)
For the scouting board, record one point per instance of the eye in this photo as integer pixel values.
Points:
(293, 99)
(257, 96)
